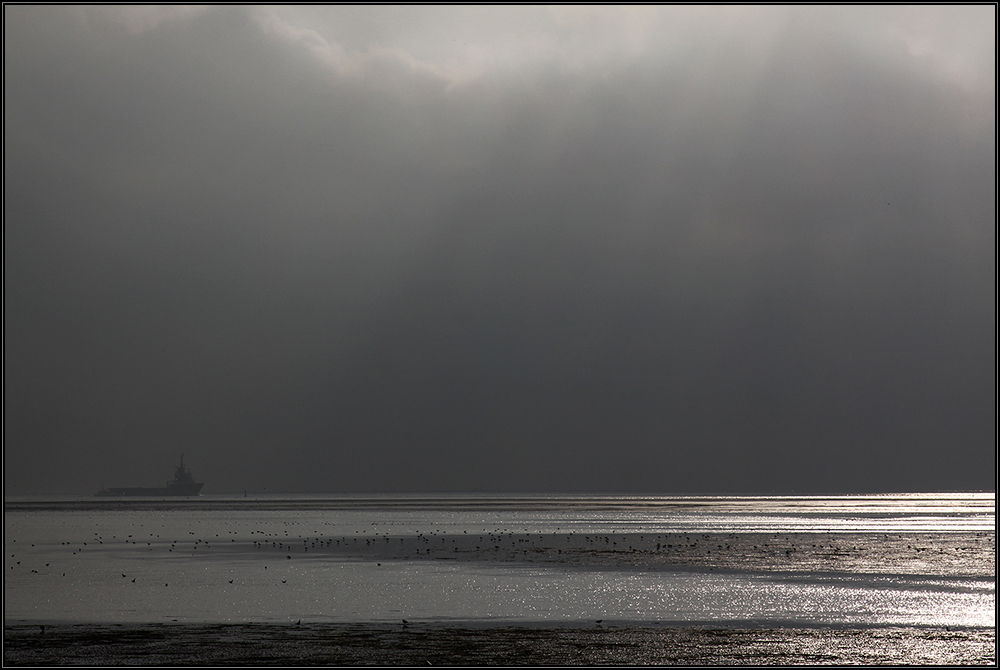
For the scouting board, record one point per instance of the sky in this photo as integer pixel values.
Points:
(500, 249)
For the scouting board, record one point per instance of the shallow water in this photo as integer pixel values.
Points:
(918, 561)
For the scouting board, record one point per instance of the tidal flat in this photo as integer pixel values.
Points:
(423, 644)
(504, 580)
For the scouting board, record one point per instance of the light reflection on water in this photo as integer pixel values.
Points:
(916, 512)
(345, 591)
(199, 562)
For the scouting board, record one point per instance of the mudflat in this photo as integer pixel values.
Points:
(423, 644)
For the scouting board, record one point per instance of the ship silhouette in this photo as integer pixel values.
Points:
(183, 484)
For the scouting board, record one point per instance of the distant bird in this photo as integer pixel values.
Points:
(299, 622)
(42, 631)
(599, 621)
(133, 580)
(230, 581)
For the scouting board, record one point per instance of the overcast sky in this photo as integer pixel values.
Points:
(367, 249)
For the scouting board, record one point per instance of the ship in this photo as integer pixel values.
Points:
(183, 484)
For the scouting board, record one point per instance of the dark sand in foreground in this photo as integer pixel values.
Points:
(347, 644)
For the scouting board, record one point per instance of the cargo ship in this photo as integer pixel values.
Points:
(183, 484)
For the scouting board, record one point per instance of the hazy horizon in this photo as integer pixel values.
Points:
(523, 493)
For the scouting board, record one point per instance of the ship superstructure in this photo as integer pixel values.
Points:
(183, 484)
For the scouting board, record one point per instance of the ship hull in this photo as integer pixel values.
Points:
(190, 490)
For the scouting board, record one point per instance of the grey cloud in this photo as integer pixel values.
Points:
(740, 261)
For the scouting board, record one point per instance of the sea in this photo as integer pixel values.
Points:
(917, 562)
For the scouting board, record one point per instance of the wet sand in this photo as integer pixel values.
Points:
(346, 644)
(943, 554)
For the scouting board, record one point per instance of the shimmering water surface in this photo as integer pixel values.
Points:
(903, 560)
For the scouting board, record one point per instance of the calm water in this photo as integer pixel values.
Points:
(902, 560)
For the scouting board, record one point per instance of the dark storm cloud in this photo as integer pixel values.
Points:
(323, 249)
